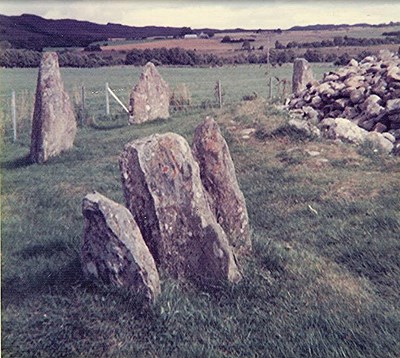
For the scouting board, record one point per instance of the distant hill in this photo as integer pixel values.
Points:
(334, 27)
(34, 32)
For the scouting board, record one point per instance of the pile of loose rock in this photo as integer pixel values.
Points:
(185, 214)
(365, 93)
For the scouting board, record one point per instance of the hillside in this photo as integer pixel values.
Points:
(320, 27)
(35, 32)
(323, 280)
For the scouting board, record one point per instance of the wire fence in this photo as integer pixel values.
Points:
(94, 104)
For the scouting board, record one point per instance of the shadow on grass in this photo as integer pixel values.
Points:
(17, 289)
(101, 127)
(47, 250)
(22, 162)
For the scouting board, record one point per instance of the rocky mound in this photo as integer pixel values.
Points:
(367, 93)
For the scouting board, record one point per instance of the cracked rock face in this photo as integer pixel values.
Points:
(302, 74)
(113, 249)
(163, 191)
(217, 173)
(54, 123)
(149, 99)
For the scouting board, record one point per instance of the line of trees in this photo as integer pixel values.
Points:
(173, 56)
(29, 58)
(339, 41)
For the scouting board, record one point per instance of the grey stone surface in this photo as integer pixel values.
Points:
(379, 142)
(302, 125)
(302, 74)
(163, 190)
(54, 124)
(113, 249)
(217, 173)
(343, 129)
(150, 98)
(365, 92)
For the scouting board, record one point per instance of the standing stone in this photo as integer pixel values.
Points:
(113, 249)
(217, 173)
(302, 75)
(54, 124)
(150, 98)
(163, 190)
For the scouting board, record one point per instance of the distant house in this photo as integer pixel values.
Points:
(190, 36)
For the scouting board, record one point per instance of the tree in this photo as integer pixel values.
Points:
(246, 45)
(278, 45)
(92, 48)
(343, 60)
(338, 41)
(313, 56)
(226, 39)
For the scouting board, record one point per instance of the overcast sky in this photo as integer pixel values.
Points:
(214, 14)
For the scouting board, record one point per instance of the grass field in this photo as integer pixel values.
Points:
(323, 279)
(236, 83)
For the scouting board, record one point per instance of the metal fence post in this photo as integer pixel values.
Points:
(14, 115)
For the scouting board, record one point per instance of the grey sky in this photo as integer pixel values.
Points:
(215, 14)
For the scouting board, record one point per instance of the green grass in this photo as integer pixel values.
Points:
(322, 281)
(236, 83)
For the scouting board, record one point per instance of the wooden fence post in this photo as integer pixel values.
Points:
(270, 87)
(83, 106)
(107, 101)
(14, 115)
(219, 94)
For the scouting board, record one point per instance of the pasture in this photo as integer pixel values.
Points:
(323, 278)
(237, 81)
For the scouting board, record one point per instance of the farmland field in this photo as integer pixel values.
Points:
(323, 277)
(209, 45)
(262, 38)
(236, 82)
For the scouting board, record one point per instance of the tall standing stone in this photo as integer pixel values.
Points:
(113, 249)
(218, 176)
(302, 74)
(54, 123)
(164, 192)
(150, 98)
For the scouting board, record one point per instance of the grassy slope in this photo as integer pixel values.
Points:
(323, 280)
(236, 82)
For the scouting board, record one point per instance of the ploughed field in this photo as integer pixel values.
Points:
(323, 278)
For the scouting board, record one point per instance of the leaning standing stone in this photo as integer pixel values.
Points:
(150, 98)
(163, 191)
(218, 176)
(302, 75)
(113, 249)
(54, 123)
